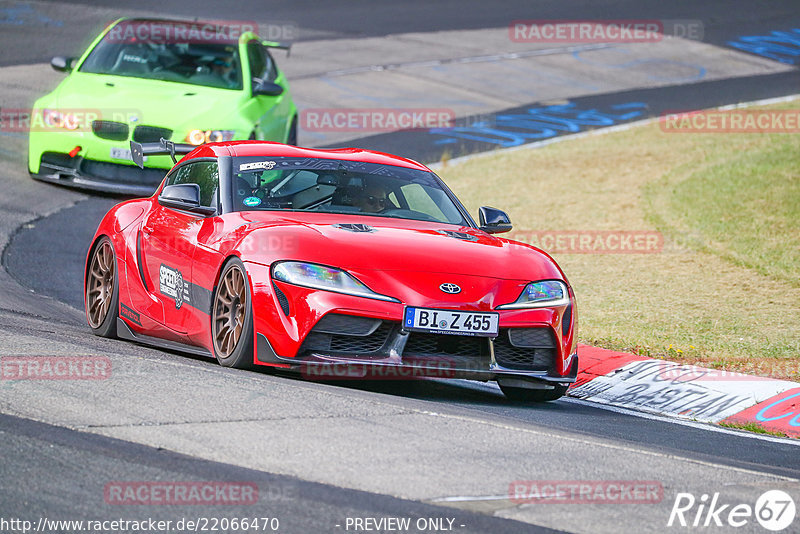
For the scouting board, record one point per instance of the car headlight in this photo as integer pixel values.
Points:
(198, 137)
(57, 119)
(540, 295)
(322, 277)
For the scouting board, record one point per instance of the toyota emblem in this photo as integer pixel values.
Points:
(450, 288)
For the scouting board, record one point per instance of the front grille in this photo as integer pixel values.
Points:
(445, 345)
(527, 349)
(347, 325)
(58, 160)
(352, 345)
(113, 131)
(150, 134)
(532, 337)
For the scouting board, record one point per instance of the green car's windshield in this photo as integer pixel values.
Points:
(338, 186)
(167, 51)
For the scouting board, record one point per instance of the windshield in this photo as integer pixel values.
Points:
(336, 186)
(167, 52)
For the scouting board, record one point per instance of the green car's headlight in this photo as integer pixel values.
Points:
(540, 295)
(198, 137)
(322, 277)
(57, 119)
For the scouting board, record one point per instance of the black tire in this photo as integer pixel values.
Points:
(101, 297)
(232, 317)
(533, 395)
(291, 139)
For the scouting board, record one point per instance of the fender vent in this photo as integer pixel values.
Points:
(282, 300)
(458, 235)
(354, 227)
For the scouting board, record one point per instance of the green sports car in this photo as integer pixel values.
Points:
(147, 79)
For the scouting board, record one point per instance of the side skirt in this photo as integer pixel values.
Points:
(124, 332)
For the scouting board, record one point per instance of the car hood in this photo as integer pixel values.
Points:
(387, 244)
(152, 102)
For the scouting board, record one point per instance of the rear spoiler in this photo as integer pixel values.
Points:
(279, 46)
(162, 148)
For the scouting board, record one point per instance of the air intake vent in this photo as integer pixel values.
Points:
(150, 134)
(458, 235)
(355, 227)
(113, 131)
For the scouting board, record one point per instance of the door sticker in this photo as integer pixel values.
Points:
(172, 285)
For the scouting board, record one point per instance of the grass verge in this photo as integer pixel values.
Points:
(724, 292)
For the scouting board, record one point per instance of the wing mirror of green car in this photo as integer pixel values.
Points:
(263, 87)
(62, 63)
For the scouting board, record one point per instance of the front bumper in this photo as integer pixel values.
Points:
(389, 353)
(96, 175)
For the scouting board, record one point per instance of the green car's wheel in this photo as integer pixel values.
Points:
(291, 139)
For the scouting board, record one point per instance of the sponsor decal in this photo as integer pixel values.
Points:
(172, 285)
(267, 165)
(129, 314)
(251, 202)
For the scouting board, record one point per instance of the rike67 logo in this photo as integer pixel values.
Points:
(774, 510)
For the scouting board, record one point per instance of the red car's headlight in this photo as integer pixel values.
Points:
(540, 295)
(323, 277)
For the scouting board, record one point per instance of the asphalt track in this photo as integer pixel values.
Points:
(52, 471)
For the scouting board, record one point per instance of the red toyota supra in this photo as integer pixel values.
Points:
(268, 255)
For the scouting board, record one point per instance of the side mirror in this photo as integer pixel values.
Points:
(184, 197)
(262, 87)
(61, 63)
(493, 220)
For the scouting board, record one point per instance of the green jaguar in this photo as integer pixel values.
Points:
(147, 79)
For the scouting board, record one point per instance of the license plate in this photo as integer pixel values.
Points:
(122, 153)
(451, 322)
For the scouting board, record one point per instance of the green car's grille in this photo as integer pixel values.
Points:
(113, 131)
(150, 134)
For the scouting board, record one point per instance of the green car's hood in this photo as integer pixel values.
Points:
(177, 106)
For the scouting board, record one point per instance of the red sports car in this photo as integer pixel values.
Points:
(333, 263)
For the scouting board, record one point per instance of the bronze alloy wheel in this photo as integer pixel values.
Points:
(230, 311)
(100, 284)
